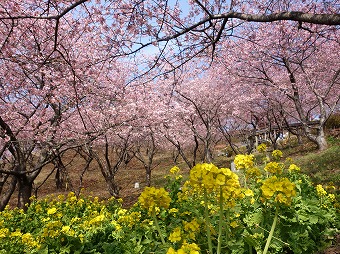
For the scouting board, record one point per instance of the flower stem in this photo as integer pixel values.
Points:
(271, 233)
(157, 224)
(227, 228)
(207, 224)
(219, 239)
(250, 249)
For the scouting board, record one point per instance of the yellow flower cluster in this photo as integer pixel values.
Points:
(97, 220)
(253, 173)
(261, 148)
(244, 161)
(4, 232)
(52, 229)
(293, 168)
(152, 198)
(331, 197)
(191, 228)
(51, 211)
(175, 235)
(234, 224)
(320, 190)
(281, 188)
(277, 155)
(212, 178)
(67, 230)
(248, 193)
(186, 248)
(130, 219)
(174, 170)
(274, 167)
(55, 219)
(29, 241)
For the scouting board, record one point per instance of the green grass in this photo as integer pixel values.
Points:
(323, 167)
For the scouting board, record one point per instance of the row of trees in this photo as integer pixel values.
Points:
(111, 80)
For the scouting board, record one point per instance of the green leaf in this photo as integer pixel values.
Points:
(303, 217)
(250, 241)
(313, 219)
(147, 241)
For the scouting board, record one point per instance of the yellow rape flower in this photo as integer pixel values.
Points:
(61, 197)
(293, 168)
(121, 212)
(16, 233)
(249, 193)
(4, 232)
(174, 170)
(253, 173)
(97, 220)
(262, 148)
(186, 248)
(171, 251)
(331, 197)
(281, 188)
(234, 224)
(192, 225)
(51, 211)
(244, 161)
(190, 248)
(130, 219)
(191, 228)
(175, 235)
(274, 167)
(173, 210)
(320, 190)
(277, 154)
(38, 208)
(72, 199)
(29, 241)
(211, 178)
(220, 179)
(152, 197)
(80, 202)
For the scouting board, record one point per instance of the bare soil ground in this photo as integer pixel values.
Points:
(93, 182)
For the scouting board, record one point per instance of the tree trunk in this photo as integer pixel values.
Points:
(112, 186)
(321, 140)
(61, 177)
(25, 187)
(148, 177)
(299, 137)
(6, 197)
(274, 145)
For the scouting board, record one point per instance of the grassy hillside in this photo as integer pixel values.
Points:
(323, 167)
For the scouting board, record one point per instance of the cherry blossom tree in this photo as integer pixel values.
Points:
(67, 67)
(303, 67)
(148, 139)
(176, 30)
(46, 93)
(197, 103)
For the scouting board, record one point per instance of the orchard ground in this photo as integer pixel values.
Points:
(323, 167)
